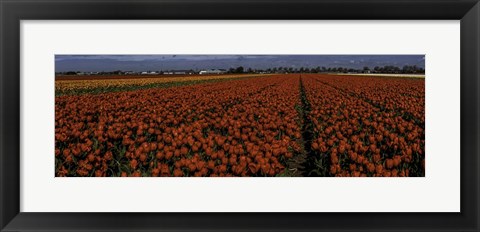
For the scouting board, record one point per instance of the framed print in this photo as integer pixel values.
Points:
(239, 115)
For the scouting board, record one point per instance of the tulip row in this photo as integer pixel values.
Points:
(75, 85)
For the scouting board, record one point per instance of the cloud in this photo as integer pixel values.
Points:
(158, 57)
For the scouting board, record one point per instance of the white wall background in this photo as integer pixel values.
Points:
(439, 191)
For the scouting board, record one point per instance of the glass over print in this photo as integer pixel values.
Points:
(240, 115)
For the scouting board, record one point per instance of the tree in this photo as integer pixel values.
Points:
(239, 70)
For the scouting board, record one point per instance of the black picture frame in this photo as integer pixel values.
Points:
(13, 11)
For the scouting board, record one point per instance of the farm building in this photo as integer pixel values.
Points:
(213, 71)
(178, 72)
(149, 73)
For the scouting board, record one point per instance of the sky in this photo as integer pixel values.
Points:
(96, 63)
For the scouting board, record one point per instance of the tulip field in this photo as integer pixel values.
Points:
(364, 126)
(284, 125)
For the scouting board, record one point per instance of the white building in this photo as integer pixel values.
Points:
(178, 72)
(213, 71)
(149, 73)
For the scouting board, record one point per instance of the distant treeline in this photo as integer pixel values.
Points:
(377, 69)
(407, 69)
